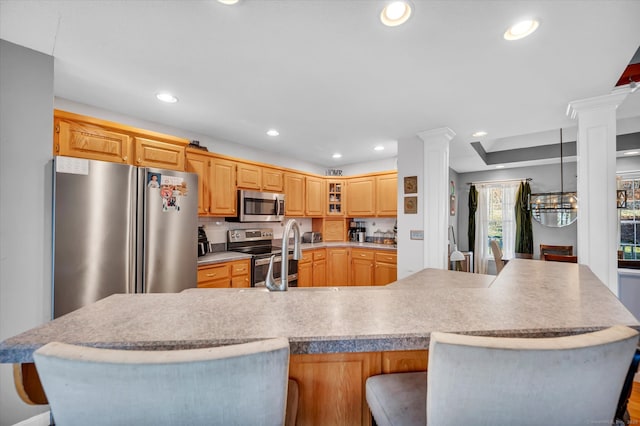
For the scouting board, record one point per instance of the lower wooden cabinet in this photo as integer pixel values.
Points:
(338, 262)
(362, 266)
(332, 387)
(312, 268)
(234, 274)
(386, 268)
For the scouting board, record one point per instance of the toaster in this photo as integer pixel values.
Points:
(312, 237)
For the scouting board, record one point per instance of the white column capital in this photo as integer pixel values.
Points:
(435, 135)
(613, 100)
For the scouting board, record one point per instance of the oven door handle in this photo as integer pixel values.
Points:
(266, 260)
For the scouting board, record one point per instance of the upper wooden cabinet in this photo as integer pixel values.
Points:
(249, 176)
(199, 164)
(294, 184)
(77, 139)
(387, 195)
(272, 179)
(258, 178)
(335, 198)
(88, 137)
(223, 195)
(163, 155)
(216, 183)
(361, 196)
(314, 196)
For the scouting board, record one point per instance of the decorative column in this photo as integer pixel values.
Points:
(435, 202)
(596, 166)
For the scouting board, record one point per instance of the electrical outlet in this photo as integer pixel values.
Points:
(416, 234)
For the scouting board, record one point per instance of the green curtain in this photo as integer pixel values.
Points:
(524, 230)
(473, 206)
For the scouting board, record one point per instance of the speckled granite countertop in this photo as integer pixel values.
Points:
(221, 256)
(529, 298)
(227, 256)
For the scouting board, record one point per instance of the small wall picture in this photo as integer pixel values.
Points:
(410, 205)
(621, 196)
(411, 185)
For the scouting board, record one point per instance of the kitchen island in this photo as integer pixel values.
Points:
(341, 335)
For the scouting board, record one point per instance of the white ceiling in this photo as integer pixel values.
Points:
(327, 74)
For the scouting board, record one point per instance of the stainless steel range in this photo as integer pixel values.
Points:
(258, 243)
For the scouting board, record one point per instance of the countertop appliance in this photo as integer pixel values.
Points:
(259, 243)
(203, 241)
(312, 237)
(256, 206)
(121, 229)
(357, 231)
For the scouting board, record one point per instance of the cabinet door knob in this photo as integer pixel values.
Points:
(139, 160)
(124, 158)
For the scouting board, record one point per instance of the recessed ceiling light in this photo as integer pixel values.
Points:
(379, 148)
(479, 134)
(632, 153)
(521, 29)
(167, 97)
(273, 132)
(337, 155)
(228, 2)
(500, 166)
(395, 13)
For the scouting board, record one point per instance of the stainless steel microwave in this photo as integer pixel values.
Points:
(255, 206)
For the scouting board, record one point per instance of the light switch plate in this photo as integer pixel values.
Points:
(415, 234)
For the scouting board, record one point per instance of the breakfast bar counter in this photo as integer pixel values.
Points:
(339, 336)
(529, 298)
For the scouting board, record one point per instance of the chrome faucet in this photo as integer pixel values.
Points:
(283, 285)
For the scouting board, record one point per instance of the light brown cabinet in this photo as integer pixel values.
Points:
(314, 196)
(272, 180)
(335, 198)
(81, 136)
(199, 164)
(258, 178)
(338, 266)
(78, 139)
(216, 183)
(362, 267)
(294, 184)
(332, 228)
(234, 274)
(387, 195)
(332, 387)
(386, 268)
(312, 268)
(361, 197)
(154, 153)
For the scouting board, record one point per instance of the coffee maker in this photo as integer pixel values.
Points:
(357, 231)
(203, 241)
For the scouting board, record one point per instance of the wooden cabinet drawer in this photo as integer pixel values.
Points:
(240, 281)
(211, 273)
(240, 267)
(319, 255)
(307, 256)
(362, 254)
(385, 257)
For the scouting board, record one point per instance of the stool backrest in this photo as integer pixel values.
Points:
(573, 380)
(229, 385)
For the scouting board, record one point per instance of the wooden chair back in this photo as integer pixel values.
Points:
(551, 249)
(497, 255)
(560, 258)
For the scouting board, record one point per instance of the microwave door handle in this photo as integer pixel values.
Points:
(277, 207)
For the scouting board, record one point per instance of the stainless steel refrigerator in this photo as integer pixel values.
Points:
(121, 229)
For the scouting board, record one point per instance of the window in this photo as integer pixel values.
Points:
(629, 217)
(495, 221)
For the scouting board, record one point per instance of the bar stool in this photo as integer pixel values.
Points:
(475, 380)
(228, 385)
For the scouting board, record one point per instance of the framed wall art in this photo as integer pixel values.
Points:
(410, 205)
(411, 184)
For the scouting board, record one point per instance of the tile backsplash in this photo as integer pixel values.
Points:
(216, 228)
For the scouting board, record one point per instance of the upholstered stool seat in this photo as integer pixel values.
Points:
(398, 399)
(474, 380)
